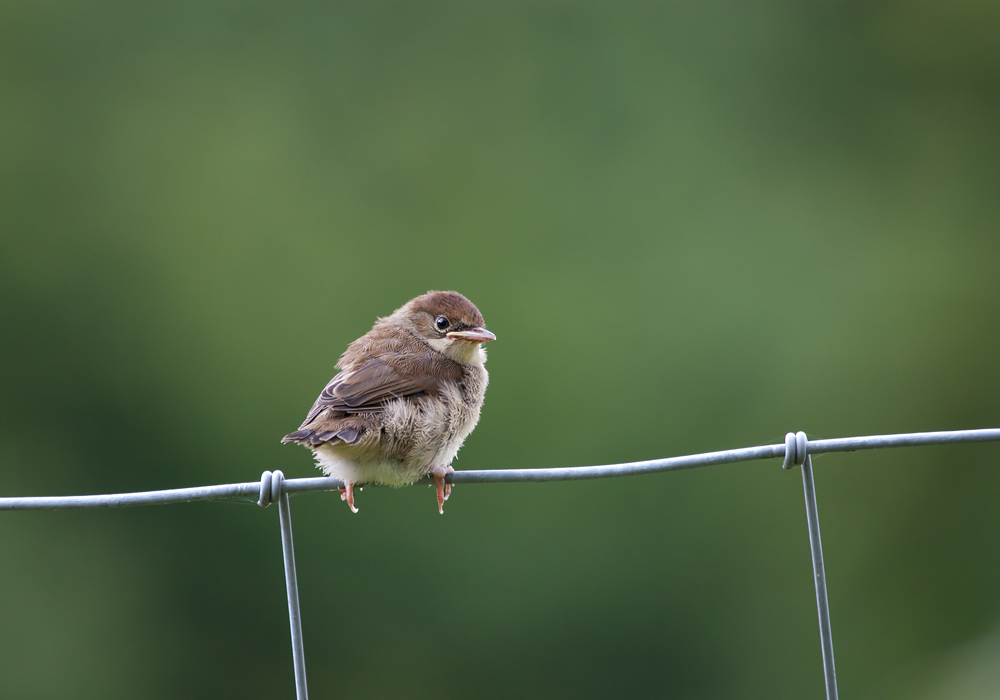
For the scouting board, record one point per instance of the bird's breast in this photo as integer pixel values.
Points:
(433, 427)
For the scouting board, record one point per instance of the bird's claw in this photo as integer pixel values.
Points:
(443, 489)
(347, 494)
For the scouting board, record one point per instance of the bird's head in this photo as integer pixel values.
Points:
(449, 323)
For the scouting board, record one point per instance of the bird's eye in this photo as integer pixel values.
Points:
(441, 323)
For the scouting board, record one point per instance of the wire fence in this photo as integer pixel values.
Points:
(272, 487)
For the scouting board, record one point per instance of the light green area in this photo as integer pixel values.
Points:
(692, 226)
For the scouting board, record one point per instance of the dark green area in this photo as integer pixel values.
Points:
(693, 226)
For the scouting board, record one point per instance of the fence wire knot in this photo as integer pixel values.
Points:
(796, 450)
(270, 487)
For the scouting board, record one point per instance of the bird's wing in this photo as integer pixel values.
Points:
(380, 379)
(355, 394)
(349, 403)
(370, 385)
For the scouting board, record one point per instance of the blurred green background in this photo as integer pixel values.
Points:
(693, 226)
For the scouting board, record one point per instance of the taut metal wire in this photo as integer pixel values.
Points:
(273, 487)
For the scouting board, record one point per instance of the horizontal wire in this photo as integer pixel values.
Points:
(142, 498)
(251, 489)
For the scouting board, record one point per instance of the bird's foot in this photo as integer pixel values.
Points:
(443, 489)
(347, 494)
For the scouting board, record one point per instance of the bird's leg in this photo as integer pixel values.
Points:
(347, 494)
(443, 489)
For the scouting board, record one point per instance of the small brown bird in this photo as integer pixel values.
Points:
(408, 394)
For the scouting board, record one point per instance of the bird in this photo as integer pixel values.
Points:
(408, 394)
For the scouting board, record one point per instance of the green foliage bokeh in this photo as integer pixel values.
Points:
(692, 226)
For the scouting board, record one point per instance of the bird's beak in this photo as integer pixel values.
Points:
(473, 335)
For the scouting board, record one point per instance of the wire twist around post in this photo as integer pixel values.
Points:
(796, 450)
(270, 487)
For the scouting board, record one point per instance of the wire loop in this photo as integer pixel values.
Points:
(270, 487)
(796, 450)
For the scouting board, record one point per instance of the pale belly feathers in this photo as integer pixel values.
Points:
(415, 436)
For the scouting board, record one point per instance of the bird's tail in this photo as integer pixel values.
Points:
(311, 438)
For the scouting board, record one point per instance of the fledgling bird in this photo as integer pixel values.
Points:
(408, 393)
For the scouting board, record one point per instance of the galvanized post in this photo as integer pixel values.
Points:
(797, 454)
(271, 490)
(819, 578)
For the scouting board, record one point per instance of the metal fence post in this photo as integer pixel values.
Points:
(271, 490)
(819, 576)
(797, 452)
